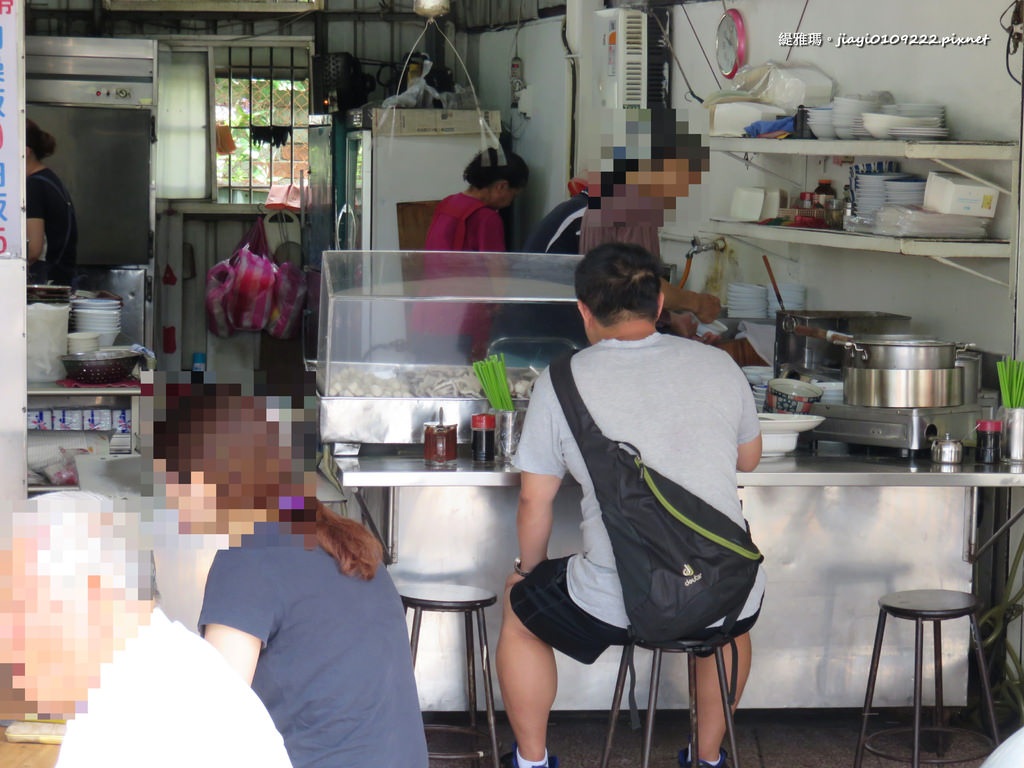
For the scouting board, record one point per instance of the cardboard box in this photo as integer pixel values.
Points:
(953, 193)
(433, 122)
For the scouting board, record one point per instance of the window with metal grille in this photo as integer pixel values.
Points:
(262, 103)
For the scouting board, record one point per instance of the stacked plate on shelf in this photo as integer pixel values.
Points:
(931, 116)
(870, 191)
(100, 316)
(820, 121)
(905, 191)
(794, 296)
(747, 300)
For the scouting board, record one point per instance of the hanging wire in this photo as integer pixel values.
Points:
(799, 22)
(672, 50)
(1008, 29)
(714, 72)
(485, 130)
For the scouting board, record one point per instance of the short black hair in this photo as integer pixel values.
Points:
(619, 280)
(487, 168)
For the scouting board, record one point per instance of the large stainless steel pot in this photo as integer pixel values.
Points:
(899, 352)
(903, 388)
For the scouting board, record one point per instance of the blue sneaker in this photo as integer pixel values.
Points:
(684, 759)
(508, 760)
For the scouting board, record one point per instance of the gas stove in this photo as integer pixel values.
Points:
(907, 429)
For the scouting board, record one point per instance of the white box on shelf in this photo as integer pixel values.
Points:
(953, 193)
(122, 418)
(97, 419)
(67, 419)
(42, 419)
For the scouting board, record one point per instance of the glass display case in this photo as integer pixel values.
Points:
(400, 330)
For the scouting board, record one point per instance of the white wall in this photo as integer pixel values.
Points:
(542, 138)
(982, 103)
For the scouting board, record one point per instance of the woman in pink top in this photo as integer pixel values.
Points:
(468, 221)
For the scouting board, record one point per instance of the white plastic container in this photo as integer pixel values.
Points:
(953, 193)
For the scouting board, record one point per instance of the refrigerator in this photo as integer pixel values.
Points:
(382, 171)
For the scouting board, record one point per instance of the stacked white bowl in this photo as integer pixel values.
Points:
(820, 120)
(832, 392)
(83, 341)
(847, 116)
(759, 376)
(794, 296)
(100, 316)
(747, 300)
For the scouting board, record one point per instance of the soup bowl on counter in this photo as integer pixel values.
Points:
(791, 396)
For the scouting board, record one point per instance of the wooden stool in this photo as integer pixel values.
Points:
(934, 605)
(469, 601)
(691, 649)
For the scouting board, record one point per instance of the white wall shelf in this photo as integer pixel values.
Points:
(947, 249)
(925, 150)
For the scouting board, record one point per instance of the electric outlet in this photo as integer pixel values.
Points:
(516, 81)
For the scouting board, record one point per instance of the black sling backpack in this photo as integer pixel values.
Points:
(683, 565)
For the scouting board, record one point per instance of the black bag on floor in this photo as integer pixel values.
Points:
(683, 564)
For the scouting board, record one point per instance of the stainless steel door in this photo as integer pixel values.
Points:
(103, 157)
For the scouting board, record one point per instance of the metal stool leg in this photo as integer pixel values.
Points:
(940, 712)
(986, 690)
(470, 670)
(652, 705)
(869, 696)
(417, 618)
(918, 669)
(620, 684)
(485, 664)
(691, 677)
(723, 684)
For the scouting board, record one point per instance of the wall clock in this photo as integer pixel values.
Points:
(731, 43)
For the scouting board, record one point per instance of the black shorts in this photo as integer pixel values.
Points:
(542, 603)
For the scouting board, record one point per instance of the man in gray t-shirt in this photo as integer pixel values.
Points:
(688, 409)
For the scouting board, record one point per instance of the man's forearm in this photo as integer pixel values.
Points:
(534, 526)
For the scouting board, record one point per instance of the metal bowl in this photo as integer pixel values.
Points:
(103, 367)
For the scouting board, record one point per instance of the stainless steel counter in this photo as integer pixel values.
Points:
(799, 470)
(838, 532)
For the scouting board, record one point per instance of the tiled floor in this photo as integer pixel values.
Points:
(765, 738)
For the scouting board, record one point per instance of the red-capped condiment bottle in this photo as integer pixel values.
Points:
(483, 425)
(989, 437)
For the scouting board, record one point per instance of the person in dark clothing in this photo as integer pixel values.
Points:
(559, 230)
(51, 232)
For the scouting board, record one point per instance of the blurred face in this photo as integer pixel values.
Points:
(60, 619)
(667, 179)
(501, 195)
(235, 475)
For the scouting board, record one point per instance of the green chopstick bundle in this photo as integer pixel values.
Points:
(491, 373)
(1011, 382)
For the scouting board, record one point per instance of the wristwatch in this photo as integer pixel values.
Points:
(518, 565)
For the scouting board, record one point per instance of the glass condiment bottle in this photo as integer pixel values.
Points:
(989, 437)
(483, 436)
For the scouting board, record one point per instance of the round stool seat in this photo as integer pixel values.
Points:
(686, 646)
(929, 604)
(445, 597)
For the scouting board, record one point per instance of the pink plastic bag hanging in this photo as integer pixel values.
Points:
(218, 284)
(289, 301)
(251, 295)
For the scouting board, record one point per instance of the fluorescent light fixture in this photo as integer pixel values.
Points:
(431, 8)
